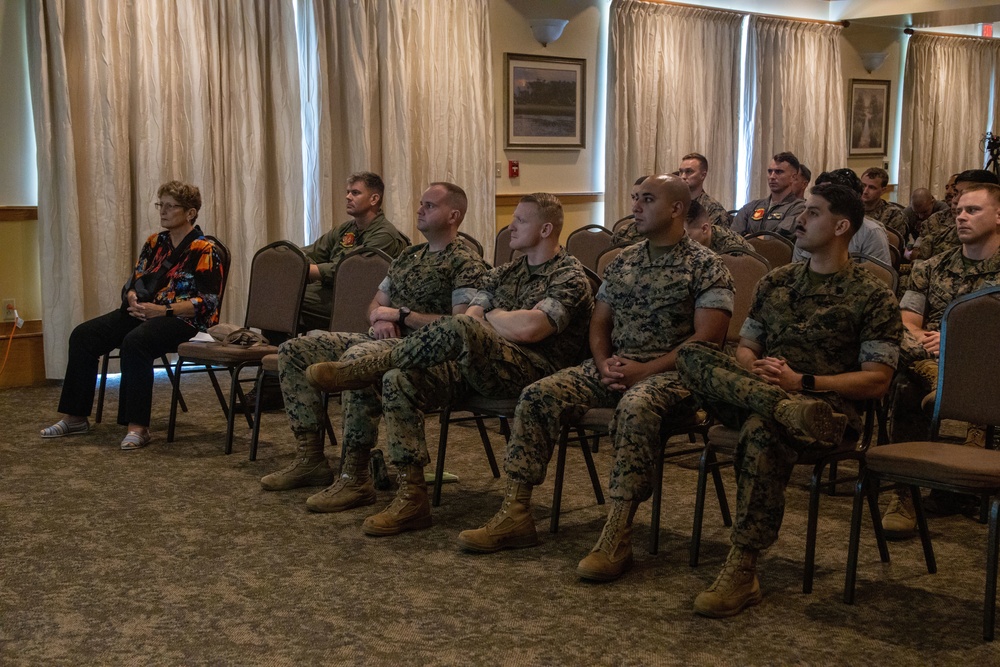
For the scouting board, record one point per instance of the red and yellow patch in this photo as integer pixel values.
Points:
(758, 214)
(347, 240)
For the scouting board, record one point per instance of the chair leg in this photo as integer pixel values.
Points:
(595, 480)
(442, 446)
(992, 550)
(720, 491)
(218, 390)
(505, 428)
(174, 394)
(488, 446)
(234, 384)
(925, 536)
(833, 476)
(850, 577)
(170, 376)
(255, 435)
(883, 546)
(100, 388)
(654, 523)
(707, 458)
(811, 525)
(560, 471)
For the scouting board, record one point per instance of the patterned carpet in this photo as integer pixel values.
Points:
(173, 555)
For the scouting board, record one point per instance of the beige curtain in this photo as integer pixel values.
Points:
(673, 88)
(404, 89)
(796, 92)
(129, 95)
(946, 108)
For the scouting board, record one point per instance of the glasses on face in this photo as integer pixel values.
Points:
(166, 207)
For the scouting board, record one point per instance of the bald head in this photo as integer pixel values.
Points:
(661, 207)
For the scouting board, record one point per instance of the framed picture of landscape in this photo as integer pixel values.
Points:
(545, 102)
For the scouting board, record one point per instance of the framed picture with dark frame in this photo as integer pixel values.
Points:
(545, 102)
(868, 118)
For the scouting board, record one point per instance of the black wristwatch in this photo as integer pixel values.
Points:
(170, 310)
(809, 382)
(404, 312)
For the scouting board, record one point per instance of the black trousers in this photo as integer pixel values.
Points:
(140, 343)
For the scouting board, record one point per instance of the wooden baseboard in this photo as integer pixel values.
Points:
(26, 360)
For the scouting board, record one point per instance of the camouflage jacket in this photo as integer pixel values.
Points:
(716, 212)
(825, 329)
(654, 300)
(560, 289)
(626, 234)
(890, 216)
(433, 282)
(938, 281)
(726, 240)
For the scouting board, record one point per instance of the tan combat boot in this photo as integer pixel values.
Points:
(409, 510)
(927, 371)
(334, 376)
(735, 589)
(354, 487)
(900, 518)
(811, 419)
(612, 556)
(308, 469)
(510, 528)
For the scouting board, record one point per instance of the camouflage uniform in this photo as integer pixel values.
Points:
(891, 217)
(764, 215)
(653, 304)
(426, 282)
(933, 235)
(456, 355)
(627, 235)
(716, 212)
(326, 253)
(934, 284)
(825, 329)
(726, 240)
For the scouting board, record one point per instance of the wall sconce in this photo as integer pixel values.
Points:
(547, 30)
(872, 61)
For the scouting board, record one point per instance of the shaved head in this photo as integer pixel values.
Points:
(660, 208)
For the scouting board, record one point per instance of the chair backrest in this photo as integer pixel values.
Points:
(278, 276)
(895, 240)
(882, 271)
(406, 238)
(774, 247)
(587, 243)
(606, 256)
(621, 222)
(595, 280)
(501, 249)
(747, 268)
(354, 285)
(968, 389)
(227, 259)
(895, 257)
(474, 245)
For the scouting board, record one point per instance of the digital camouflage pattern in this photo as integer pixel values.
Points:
(826, 329)
(935, 235)
(653, 304)
(890, 216)
(716, 211)
(424, 281)
(627, 234)
(726, 240)
(326, 253)
(833, 327)
(654, 301)
(461, 354)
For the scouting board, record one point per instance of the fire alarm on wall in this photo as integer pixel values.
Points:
(513, 168)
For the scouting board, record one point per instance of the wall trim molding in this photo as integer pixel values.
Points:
(565, 197)
(18, 213)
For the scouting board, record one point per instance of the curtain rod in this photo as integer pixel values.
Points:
(911, 31)
(732, 11)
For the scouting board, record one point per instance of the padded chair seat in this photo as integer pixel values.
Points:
(218, 352)
(953, 465)
(270, 363)
(486, 405)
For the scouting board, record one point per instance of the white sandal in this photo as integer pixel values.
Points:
(63, 428)
(135, 440)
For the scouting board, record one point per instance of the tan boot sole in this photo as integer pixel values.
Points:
(601, 575)
(360, 501)
(518, 542)
(325, 377)
(752, 600)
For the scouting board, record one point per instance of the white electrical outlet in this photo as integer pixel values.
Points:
(9, 310)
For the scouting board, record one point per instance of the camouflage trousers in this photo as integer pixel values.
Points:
(918, 377)
(635, 427)
(303, 404)
(766, 453)
(435, 365)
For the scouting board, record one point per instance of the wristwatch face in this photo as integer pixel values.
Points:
(403, 314)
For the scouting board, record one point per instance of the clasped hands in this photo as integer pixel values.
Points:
(620, 373)
(776, 371)
(141, 310)
(385, 322)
